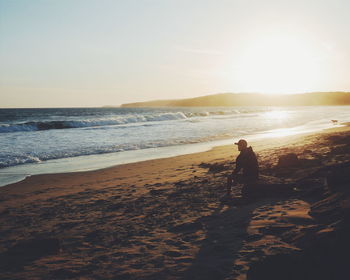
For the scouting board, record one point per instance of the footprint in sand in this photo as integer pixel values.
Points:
(173, 254)
(185, 260)
(263, 217)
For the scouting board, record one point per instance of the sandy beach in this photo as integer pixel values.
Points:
(163, 219)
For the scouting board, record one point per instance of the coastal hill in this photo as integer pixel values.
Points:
(252, 99)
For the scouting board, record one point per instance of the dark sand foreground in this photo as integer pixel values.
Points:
(163, 219)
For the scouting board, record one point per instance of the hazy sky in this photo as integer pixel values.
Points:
(56, 53)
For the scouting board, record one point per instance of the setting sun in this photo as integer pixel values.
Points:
(279, 64)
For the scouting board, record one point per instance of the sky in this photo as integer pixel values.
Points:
(85, 53)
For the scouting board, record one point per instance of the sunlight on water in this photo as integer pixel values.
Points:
(281, 115)
(283, 132)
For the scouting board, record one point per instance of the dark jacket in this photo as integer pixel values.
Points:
(247, 161)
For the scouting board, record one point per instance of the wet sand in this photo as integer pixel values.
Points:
(164, 218)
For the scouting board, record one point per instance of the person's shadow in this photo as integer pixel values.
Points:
(226, 231)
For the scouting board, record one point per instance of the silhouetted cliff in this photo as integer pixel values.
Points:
(252, 99)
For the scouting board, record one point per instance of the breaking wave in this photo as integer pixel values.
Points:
(113, 120)
(118, 120)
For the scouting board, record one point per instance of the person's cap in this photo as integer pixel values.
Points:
(241, 142)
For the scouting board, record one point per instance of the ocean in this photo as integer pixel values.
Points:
(36, 141)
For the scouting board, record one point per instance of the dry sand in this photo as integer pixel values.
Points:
(163, 219)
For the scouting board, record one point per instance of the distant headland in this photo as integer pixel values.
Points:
(252, 99)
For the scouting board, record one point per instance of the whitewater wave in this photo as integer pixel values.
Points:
(43, 157)
(6, 161)
(65, 124)
(115, 120)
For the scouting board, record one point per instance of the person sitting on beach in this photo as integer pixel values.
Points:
(248, 163)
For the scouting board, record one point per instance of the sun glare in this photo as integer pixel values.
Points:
(281, 132)
(280, 115)
(278, 65)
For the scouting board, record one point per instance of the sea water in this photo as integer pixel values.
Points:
(36, 141)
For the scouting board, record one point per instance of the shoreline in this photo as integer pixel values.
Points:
(163, 218)
(19, 173)
(170, 165)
